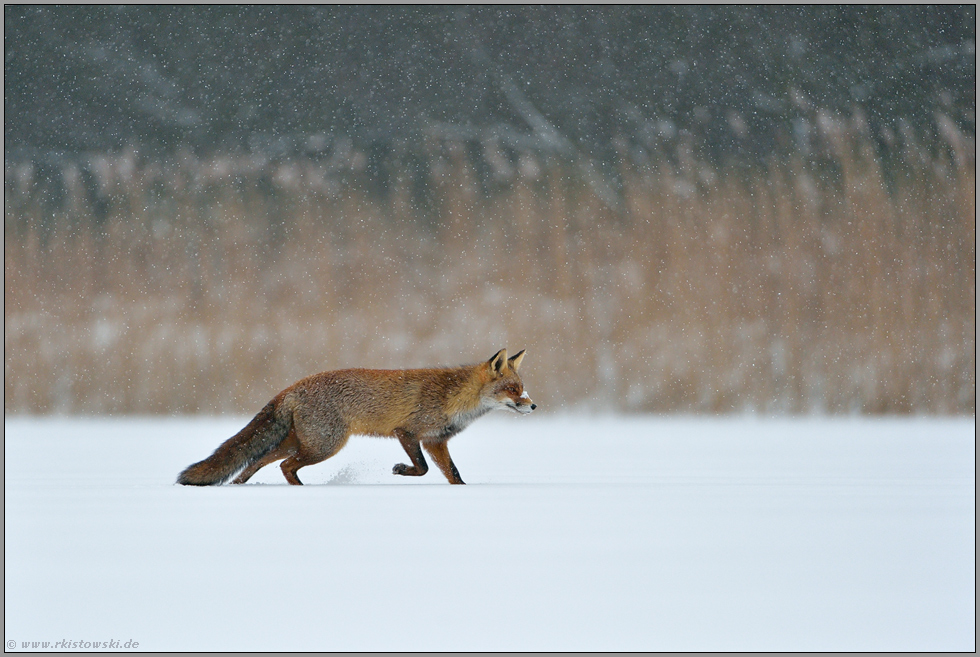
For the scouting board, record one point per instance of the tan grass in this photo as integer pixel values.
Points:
(799, 288)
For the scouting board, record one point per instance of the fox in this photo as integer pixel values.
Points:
(312, 419)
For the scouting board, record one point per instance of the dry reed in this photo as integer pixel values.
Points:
(207, 286)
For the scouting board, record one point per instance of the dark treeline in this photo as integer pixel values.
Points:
(739, 82)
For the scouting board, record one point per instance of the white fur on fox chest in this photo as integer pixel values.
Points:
(459, 422)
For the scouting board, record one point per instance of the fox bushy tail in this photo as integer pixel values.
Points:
(259, 437)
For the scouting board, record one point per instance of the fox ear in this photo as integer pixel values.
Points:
(497, 362)
(515, 360)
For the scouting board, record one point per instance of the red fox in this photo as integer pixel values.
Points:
(311, 420)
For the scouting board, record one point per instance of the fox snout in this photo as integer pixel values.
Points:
(522, 404)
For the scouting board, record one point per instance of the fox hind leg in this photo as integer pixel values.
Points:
(285, 450)
(319, 435)
(305, 458)
(411, 445)
(247, 473)
(439, 451)
(291, 465)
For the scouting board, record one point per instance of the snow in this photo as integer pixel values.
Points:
(574, 533)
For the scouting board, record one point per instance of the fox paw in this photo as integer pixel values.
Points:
(400, 468)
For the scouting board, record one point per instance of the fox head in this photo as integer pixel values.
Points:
(504, 389)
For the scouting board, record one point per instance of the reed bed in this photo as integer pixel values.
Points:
(832, 286)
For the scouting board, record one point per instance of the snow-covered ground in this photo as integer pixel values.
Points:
(574, 533)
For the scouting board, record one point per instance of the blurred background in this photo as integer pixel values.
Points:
(673, 209)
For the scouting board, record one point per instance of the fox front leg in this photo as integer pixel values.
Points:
(439, 452)
(411, 445)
